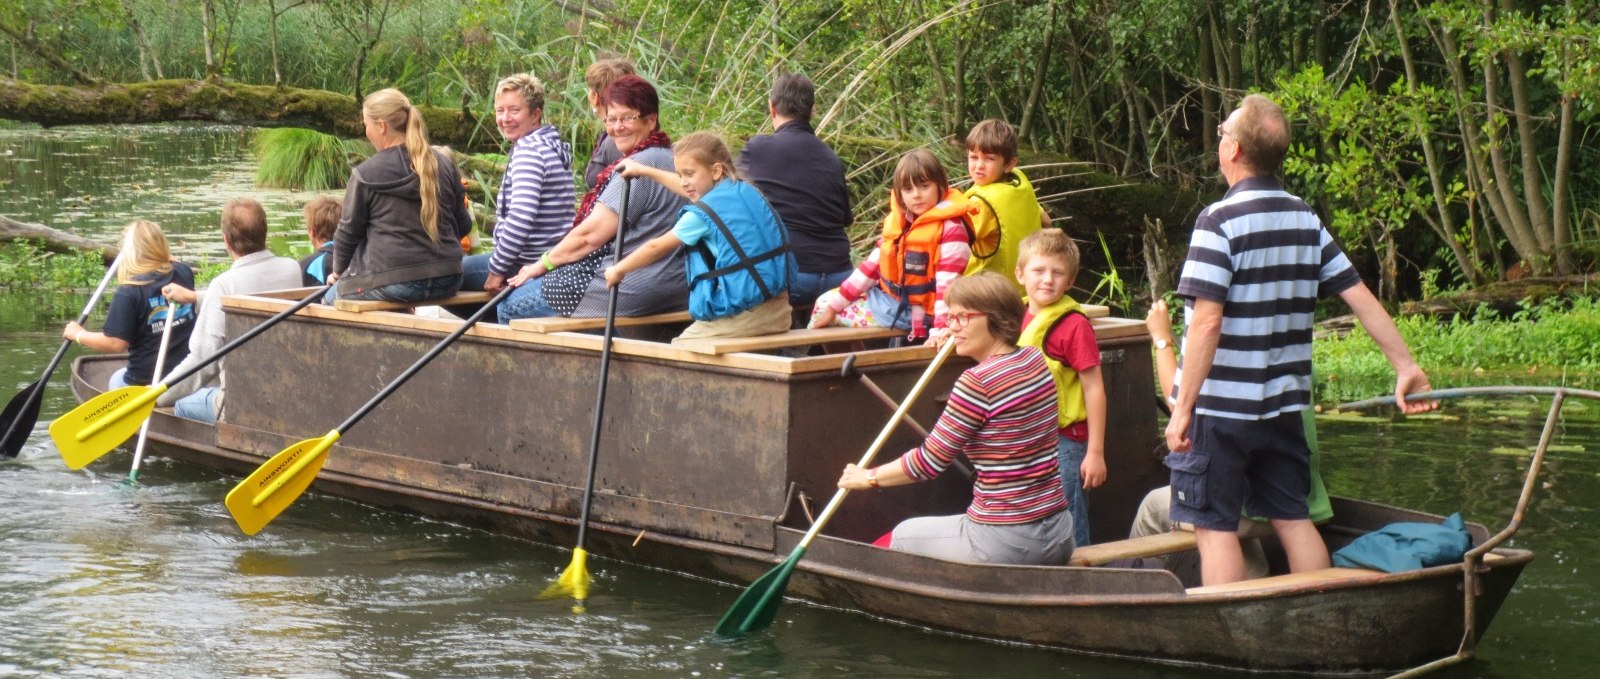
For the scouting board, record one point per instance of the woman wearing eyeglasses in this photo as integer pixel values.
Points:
(1002, 416)
(568, 279)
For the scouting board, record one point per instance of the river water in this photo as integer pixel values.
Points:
(98, 579)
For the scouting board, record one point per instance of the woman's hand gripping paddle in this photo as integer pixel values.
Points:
(574, 581)
(273, 486)
(161, 367)
(22, 412)
(756, 608)
(102, 423)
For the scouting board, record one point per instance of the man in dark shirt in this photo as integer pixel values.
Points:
(804, 181)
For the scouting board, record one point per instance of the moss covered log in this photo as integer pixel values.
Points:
(218, 101)
(51, 239)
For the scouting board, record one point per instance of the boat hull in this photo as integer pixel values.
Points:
(712, 482)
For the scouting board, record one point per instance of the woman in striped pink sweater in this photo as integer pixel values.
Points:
(1002, 415)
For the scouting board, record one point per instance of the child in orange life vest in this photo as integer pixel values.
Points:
(925, 244)
(1007, 208)
(1046, 267)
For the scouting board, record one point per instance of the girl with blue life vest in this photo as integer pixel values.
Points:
(925, 245)
(739, 266)
(138, 311)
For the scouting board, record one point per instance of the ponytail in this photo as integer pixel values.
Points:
(392, 107)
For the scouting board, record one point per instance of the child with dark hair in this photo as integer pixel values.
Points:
(1007, 208)
(925, 245)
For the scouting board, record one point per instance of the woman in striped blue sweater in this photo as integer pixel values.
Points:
(1002, 415)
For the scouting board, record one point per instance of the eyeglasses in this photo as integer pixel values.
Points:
(1222, 131)
(624, 120)
(962, 318)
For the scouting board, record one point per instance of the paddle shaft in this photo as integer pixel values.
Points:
(883, 437)
(605, 370)
(423, 362)
(36, 391)
(161, 367)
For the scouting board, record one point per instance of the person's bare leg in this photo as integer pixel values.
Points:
(1303, 544)
(1221, 559)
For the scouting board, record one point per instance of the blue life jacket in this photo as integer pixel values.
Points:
(744, 260)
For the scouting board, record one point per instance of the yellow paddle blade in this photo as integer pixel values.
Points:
(102, 423)
(574, 581)
(273, 486)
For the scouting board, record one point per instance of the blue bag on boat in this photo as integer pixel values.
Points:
(1407, 546)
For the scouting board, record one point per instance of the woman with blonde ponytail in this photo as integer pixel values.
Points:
(404, 212)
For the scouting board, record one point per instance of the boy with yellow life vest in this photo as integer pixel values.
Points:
(925, 245)
(1054, 323)
(1007, 208)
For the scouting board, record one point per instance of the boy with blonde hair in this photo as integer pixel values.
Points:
(1008, 209)
(1054, 323)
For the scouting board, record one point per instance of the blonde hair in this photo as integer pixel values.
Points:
(1049, 242)
(708, 149)
(995, 297)
(603, 72)
(394, 109)
(525, 84)
(144, 252)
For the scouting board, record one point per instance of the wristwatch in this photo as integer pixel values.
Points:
(1162, 344)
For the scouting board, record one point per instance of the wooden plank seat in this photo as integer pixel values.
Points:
(1322, 576)
(794, 338)
(364, 305)
(1150, 545)
(560, 324)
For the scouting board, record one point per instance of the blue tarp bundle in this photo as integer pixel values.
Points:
(1407, 546)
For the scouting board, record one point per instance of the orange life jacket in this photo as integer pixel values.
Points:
(908, 256)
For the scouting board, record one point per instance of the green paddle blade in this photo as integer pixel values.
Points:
(574, 581)
(102, 423)
(273, 486)
(758, 606)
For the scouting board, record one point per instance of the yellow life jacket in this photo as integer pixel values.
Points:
(1071, 405)
(1009, 211)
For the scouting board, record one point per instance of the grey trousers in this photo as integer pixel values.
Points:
(1046, 542)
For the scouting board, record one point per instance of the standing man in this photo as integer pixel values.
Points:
(803, 180)
(1258, 260)
(255, 269)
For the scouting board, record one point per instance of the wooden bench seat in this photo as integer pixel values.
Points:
(784, 340)
(1150, 545)
(1324, 576)
(560, 324)
(364, 305)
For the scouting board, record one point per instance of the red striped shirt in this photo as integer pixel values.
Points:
(1002, 414)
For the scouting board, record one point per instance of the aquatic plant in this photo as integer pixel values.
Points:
(295, 158)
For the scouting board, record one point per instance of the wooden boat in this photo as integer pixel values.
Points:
(711, 457)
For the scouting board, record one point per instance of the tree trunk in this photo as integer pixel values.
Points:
(272, 37)
(1040, 68)
(207, 17)
(49, 56)
(1538, 211)
(220, 101)
(139, 40)
(1445, 227)
(53, 240)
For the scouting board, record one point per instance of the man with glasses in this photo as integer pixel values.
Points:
(1258, 260)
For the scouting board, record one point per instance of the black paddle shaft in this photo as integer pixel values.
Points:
(28, 407)
(605, 369)
(246, 337)
(425, 360)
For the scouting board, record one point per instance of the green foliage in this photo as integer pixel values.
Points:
(26, 265)
(1550, 341)
(300, 159)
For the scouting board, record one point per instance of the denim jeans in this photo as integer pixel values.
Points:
(1071, 454)
(408, 291)
(474, 274)
(807, 287)
(198, 406)
(526, 302)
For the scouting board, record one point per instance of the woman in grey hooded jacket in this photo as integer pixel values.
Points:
(404, 212)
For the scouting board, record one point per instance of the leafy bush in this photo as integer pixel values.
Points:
(295, 158)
